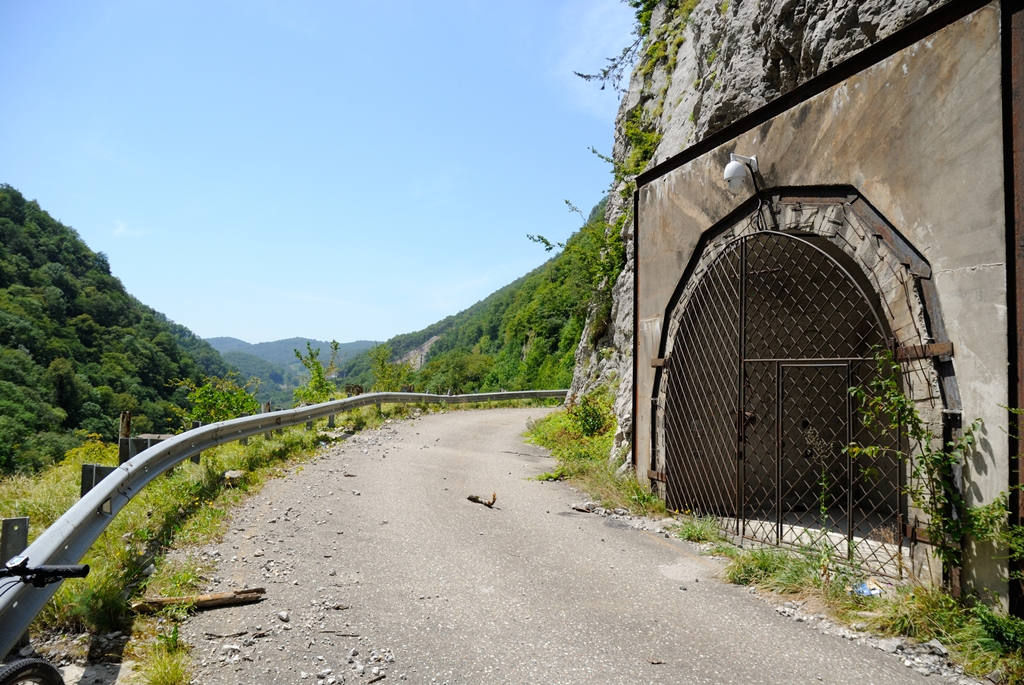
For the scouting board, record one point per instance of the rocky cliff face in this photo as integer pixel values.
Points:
(703, 65)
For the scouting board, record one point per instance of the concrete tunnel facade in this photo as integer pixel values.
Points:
(899, 165)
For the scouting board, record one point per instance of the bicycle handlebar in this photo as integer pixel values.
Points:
(42, 575)
(67, 571)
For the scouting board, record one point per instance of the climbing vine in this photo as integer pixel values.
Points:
(931, 465)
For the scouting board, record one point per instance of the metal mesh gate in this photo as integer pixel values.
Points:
(757, 412)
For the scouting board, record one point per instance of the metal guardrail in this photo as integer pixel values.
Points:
(71, 536)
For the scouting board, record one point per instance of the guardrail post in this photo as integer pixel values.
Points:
(13, 537)
(93, 474)
(266, 410)
(124, 432)
(195, 457)
(243, 441)
(330, 421)
(129, 447)
(13, 541)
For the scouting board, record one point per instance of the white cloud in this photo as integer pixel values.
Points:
(591, 32)
(123, 230)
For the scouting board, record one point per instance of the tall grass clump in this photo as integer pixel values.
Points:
(985, 640)
(699, 529)
(810, 571)
(580, 439)
(166, 660)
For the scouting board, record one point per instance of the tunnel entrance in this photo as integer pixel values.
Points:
(769, 331)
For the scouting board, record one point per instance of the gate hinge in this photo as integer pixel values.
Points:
(657, 475)
(916, 534)
(660, 362)
(906, 353)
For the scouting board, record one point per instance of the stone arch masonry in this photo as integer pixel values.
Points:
(899, 280)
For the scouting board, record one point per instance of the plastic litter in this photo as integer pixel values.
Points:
(867, 588)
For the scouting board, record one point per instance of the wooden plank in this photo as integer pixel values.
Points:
(911, 352)
(210, 601)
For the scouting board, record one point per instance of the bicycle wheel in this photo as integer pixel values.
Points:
(30, 672)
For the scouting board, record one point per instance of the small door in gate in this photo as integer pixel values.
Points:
(814, 428)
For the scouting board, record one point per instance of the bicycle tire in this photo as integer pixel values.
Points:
(30, 672)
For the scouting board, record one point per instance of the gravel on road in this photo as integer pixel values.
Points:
(379, 569)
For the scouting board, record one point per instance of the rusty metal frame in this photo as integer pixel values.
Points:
(884, 231)
(740, 493)
(912, 352)
(1012, 55)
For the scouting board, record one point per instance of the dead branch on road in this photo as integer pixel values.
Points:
(487, 503)
(210, 601)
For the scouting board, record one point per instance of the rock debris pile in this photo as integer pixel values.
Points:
(297, 638)
(929, 658)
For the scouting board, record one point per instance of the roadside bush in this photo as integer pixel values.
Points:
(580, 439)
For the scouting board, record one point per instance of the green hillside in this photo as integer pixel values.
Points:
(524, 336)
(282, 352)
(75, 348)
(275, 365)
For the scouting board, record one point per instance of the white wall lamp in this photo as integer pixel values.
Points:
(737, 169)
(735, 174)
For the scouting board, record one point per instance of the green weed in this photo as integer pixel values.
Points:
(580, 439)
(699, 529)
(166, 661)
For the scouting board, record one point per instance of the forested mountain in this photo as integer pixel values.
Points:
(275, 365)
(525, 335)
(75, 348)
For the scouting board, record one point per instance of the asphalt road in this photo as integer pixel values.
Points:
(527, 592)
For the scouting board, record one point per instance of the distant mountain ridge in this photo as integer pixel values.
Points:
(283, 351)
(274, 362)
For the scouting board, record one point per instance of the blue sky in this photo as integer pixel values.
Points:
(350, 170)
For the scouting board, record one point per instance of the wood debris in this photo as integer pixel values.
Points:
(208, 601)
(218, 636)
(487, 503)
